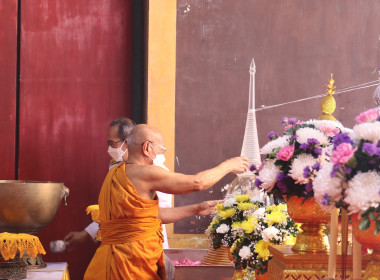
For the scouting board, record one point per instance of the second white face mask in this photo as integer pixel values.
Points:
(117, 154)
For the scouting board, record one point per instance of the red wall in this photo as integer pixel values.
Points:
(8, 58)
(75, 78)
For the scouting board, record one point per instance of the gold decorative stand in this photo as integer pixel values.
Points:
(216, 257)
(290, 265)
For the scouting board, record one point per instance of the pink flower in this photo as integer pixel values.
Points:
(287, 127)
(285, 153)
(330, 131)
(343, 153)
(261, 166)
(370, 115)
(186, 261)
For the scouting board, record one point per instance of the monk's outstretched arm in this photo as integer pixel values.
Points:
(177, 183)
(171, 215)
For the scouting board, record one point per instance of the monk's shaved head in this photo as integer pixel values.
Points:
(142, 133)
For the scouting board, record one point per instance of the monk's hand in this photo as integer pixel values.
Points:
(237, 165)
(207, 207)
(76, 237)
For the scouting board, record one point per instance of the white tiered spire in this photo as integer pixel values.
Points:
(251, 147)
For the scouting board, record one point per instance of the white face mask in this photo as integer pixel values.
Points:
(159, 160)
(117, 154)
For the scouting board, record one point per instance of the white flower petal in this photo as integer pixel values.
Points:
(277, 143)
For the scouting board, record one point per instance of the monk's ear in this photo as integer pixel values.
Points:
(145, 148)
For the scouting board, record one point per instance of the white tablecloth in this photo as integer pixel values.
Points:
(53, 271)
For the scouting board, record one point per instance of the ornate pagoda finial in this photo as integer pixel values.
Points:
(328, 104)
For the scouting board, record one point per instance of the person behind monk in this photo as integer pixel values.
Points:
(130, 218)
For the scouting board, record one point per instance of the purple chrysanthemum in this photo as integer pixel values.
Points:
(272, 135)
(371, 149)
(284, 121)
(312, 141)
(252, 167)
(258, 182)
(281, 176)
(309, 187)
(292, 120)
(347, 170)
(316, 166)
(325, 199)
(306, 172)
(282, 186)
(304, 147)
(334, 171)
(342, 138)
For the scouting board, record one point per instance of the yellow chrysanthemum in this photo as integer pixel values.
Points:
(282, 207)
(244, 206)
(219, 207)
(225, 214)
(249, 225)
(233, 247)
(242, 198)
(298, 226)
(276, 217)
(276, 208)
(214, 221)
(291, 240)
(236, 225)
(271, 208)
(262, 249)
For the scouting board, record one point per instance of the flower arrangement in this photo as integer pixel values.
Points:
(352, 177)
(248, 227)
(293, 160)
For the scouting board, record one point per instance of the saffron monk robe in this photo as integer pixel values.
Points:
(130, 218)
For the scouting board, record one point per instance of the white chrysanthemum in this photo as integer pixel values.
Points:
(348, 130)
(363, 191)
(245, 253)
(307, 133)
(268, 175)
(229, 202)
(259, 213)
(298, 165)
(327, 152)
(367, 131)
(325, 123)
(325, 184)
(223, 228)
(257, 198)
(270, 233)
(277, 143)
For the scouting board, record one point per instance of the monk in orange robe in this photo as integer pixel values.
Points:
(130, 219)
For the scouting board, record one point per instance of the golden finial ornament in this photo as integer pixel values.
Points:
(328, 104)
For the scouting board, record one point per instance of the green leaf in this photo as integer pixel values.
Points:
(377, 230)
(364, 224)
(352, 162)
(372, 216)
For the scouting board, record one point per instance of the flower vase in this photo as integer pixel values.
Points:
(261, 276)
(314, 219)
(369, 239)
